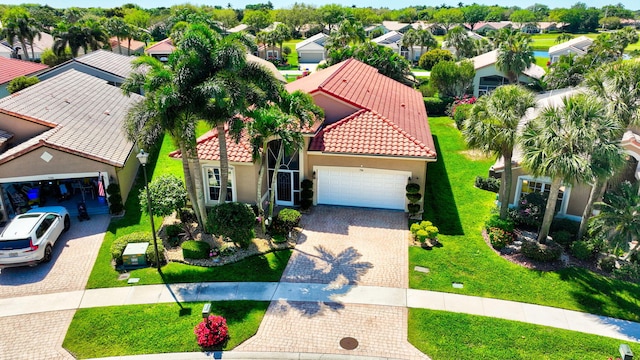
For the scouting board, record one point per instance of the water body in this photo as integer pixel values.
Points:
(541, 54)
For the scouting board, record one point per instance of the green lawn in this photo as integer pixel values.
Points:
(545, 41)
(293, 57)
(459, 210)
(445, 335)
(268, 267)
(156, 328)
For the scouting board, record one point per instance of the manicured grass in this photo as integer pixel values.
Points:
(156, 328)
(460, 210)
(268, 267)
(292, 59)
(545, 41)
(445, 335)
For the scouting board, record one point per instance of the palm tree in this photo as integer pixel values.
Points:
(492, 127)
(95, 34)
(426, 39)
(119, 28)
(563, 37)
(618, 84)
(459, 39)
(349, 32)
(619, 219)
(558, 145)
(281, 34)
(409, 40)
(515, 55)
(68, 35)
(19, 25)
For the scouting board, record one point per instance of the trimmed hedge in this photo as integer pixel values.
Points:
(436, 105)
(490, 183)
(412, 188)
(194, 249)
(286, 220)
(548, 252)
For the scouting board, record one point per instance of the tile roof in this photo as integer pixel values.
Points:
(364, 87)
(108, 61)
(580, 44)
(491, 57)
(367, 132)
(319, 38)
(124, 43)
(161, 47)
(392, 37)
(12, 68)
(86, 115)
(395, 25)
(208, 147)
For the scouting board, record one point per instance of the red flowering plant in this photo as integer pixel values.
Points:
(212, 331)
(464, 100)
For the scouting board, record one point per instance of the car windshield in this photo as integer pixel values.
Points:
(14, 244)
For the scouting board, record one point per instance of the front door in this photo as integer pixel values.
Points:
(284, 188)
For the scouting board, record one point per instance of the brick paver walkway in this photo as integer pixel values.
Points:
(73, 258)
(35, 336)
(341, 246)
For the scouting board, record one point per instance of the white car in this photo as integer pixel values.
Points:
(29, 237)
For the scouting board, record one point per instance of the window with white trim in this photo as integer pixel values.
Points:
(213, 183)
(541, 187)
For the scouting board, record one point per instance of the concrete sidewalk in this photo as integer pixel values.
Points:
(323, 293)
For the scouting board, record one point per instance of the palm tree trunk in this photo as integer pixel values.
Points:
(597, 190)
(33, 53)
(224, 162)
(281, 57)
(129, 47)
(505, 186)
(550, 210)
(189, 182)
(261, 171)
(274, 180)
(119, 46)
(196, 176)
(25, 50)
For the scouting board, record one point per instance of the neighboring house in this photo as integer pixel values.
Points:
(577, 46)
(395, 26)
(103, 64)
(371, 28)
(162, 49)
(13, 68)
(5, 51)
(39, 46)
(453, 50)
(434, 28)
(393, 40)
(312, 50)
(238, 28)
(268, 52)
(549, 26)
(488, 77)
(123, 47)
(374, 139)
(483, 28)
(65, 134)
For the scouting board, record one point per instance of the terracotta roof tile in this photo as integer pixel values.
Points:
(363, 86)
(12, 68)
(368, 133)
(208, 149)
(161, 47)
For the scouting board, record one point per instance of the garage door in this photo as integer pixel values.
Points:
(361, 187)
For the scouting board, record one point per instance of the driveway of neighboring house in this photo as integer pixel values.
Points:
(343, 246)
(73, 258)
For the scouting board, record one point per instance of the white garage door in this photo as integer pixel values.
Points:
(361, 187)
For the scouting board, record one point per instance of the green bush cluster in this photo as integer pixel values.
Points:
(424, 230)
(194, 249)
(173, 232)
(499, 238)
(567, 225)
(286, 220)
(306, 194)
(496, 222)
(582, 250)
(115, 199)
(607, 263)
(563, 238)
(461, 114)
(489, 183)
(119, 244)
(232, 220)
(628, 272)
(437, 106)
(430, 58)
(548, 252)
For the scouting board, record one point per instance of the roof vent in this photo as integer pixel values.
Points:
(403, 104)
(106, 112)
(344, 80)
(67, 101)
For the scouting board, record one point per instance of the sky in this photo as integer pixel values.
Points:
(629, 4)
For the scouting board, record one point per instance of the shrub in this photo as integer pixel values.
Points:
(413, 208)
(530, 210)
(541, 252)
(187, 215)
(412, 188)
(607, 263)
(115, 199)
(427, 90)
(628, 272)
(232, 220)
(173, 233)
(582, 250)
(503, 224)
(414, 197)
(119, 244)
(306, 195)
(212, 332)
(460, 114)
(414, 228)
(194, 249)
(562, 237)
(425, 228)
(432, 57)
(436, 105)
(289, 218)
(21, 82)
(490, 184)
(499, 238)
(567, 225)
(422, 235)
(306, 184)
(168, 194)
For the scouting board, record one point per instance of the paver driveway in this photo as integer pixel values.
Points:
(73, 257)
(343, 246)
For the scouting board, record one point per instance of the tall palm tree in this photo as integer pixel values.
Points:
(19, 25)
(563, 37)
(68, 35)
(558, 145)
(426, 40)
(492, 127)
(349, 32)
(619, 218)
(117, 27)
(515, 55)
(95, 34)
(409, 40)
(459, 39)
(618, 84)
(281, 34)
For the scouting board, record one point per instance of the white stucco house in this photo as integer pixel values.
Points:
(488, 77)
(577, 46)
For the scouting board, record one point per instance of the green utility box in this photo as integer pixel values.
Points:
(134, 255)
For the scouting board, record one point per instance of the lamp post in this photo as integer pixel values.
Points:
(143, 157)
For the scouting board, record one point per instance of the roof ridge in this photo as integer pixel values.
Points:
(346, 119)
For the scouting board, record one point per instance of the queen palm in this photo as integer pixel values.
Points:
(619, 218)
(409, 40)
(19, 25)
(492, 127)
(425, 40)
(558, 145)
(119, 28)
(515, 55)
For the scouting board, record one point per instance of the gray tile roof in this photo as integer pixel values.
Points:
(108, 61)
(87, 114)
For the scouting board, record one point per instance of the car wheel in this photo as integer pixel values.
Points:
(47, 254)
(67, 222)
